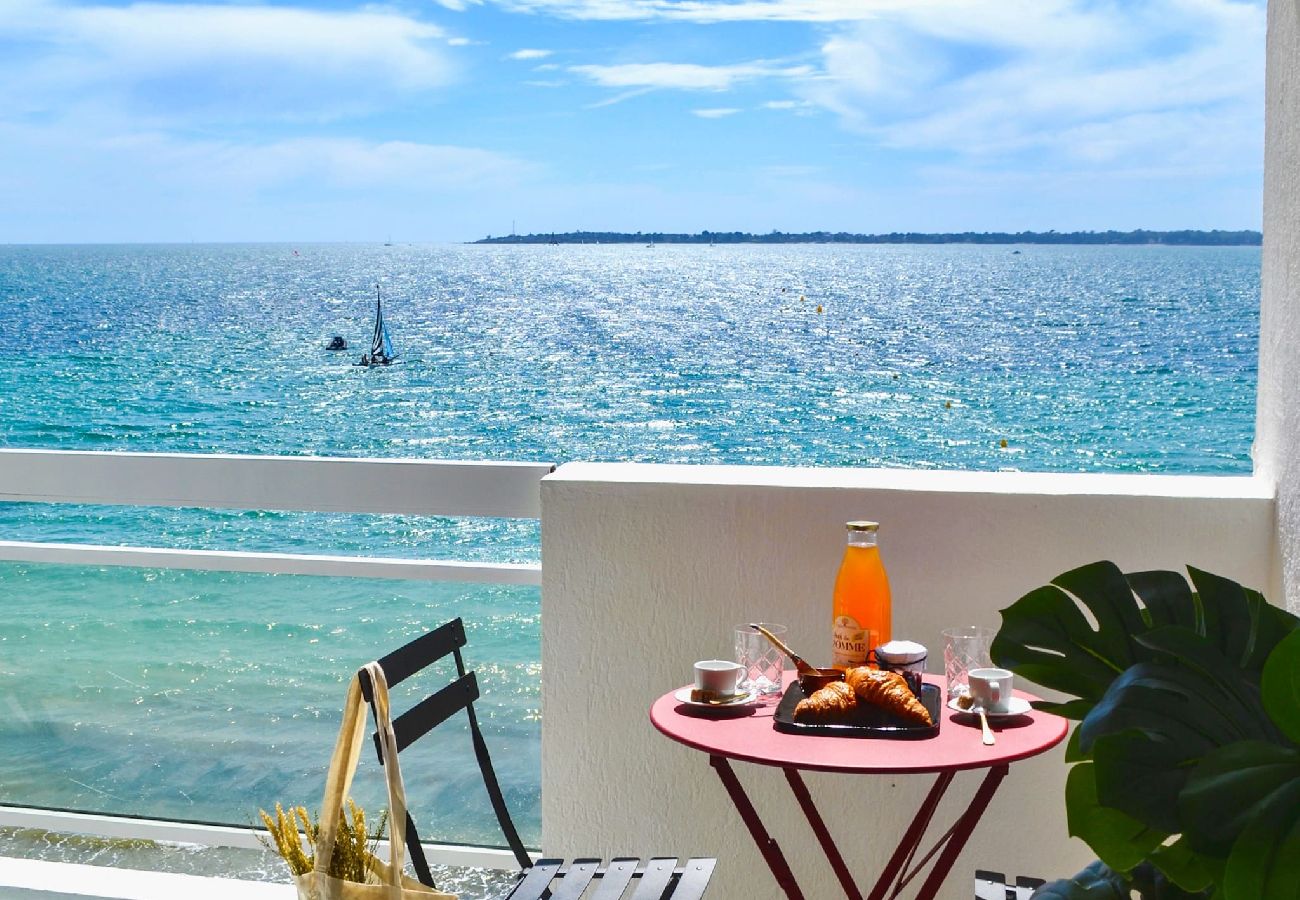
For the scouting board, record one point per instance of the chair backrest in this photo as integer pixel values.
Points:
(432, 711)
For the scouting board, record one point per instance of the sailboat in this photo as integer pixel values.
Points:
(381, 345)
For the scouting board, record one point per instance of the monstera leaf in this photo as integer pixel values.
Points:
(1244, 798)
(1281, 687)
(1187, 775)
(1119, 840)
(1047, 638)
(1161, 722)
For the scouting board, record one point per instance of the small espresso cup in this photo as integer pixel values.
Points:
(719, 676)
(991, 689)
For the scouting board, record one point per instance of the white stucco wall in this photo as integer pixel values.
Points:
(647, 568)
(1277, 445)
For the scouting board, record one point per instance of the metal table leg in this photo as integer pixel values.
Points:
(833, 855)
(961, 831)
(899, 871)
(766, 845)
(911, 839)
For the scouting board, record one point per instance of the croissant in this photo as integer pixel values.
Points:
(888, 691)
(835, 702)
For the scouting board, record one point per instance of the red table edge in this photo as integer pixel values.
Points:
(1063, 730)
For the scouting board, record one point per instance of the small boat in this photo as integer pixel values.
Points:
(381, 345)
(337, 342)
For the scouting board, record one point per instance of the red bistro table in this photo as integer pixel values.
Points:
(747, 734)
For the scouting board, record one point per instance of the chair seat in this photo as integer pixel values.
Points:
(659, 879)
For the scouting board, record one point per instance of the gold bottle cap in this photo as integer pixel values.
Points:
(862, 526)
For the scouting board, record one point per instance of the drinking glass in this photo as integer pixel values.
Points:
(762, 661)
(965, 648)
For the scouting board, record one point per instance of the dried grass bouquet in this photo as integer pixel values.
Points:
(353, 848)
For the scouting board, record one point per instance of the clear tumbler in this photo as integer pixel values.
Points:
(965, 648)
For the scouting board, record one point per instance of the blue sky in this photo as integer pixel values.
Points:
(446, 121)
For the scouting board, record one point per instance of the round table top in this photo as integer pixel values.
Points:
(747, 734)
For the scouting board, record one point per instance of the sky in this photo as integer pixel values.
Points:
(450, 120)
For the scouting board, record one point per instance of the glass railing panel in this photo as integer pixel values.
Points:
(203, 696)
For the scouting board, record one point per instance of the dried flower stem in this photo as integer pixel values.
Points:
(353, 849)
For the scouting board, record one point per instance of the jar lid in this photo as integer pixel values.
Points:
(862, 526)
(901, 652)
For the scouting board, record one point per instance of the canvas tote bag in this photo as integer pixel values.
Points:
(391, 883)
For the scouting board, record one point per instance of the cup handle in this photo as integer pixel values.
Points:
(741, 674)
(995, 690)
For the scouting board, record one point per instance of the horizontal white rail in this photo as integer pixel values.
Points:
(272, 563)
(130, 828)
(307, 483)
(78, 881)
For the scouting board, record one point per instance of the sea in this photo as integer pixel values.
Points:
(208, 696)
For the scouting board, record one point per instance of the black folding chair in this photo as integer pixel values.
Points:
(658, 879)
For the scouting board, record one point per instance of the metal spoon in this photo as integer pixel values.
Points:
(802, 667)
(989, 740)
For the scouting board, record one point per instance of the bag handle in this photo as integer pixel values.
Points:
(343, 765)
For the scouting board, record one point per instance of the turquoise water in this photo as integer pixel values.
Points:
(203, 695)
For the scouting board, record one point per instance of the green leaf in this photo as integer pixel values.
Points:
(1073, 752)
(1232, 691)
(1118, 839)
(1182, 865)
(1046, 638)
(1281, 686)
(1097, 882)
(1142, 777)
(1070, 709)
(1109, 597)
(1151, 729)
(1167, 598)
(1229, 788)
(1265, 860)
(1239, 620)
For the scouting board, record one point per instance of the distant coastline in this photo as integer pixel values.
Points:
(1214, 238)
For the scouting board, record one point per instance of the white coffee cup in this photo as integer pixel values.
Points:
(991, 689)
(719, 676)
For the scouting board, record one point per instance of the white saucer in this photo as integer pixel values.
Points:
(684, 696)
(1017, 707)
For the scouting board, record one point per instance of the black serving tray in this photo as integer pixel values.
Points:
(871, 721)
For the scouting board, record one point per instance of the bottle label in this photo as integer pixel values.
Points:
(849, 643)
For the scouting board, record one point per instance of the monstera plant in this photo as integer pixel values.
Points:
(1185, 776)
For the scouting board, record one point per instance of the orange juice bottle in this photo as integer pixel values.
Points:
(861, 613)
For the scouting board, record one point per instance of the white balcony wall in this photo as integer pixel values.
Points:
(646, 569)
(1277, 447)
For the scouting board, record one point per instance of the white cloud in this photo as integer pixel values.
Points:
(708, 11)
(530, 53)
(685, 76)
(213, 61)
(344, 163)
(459, 42)
(1085, 83)
(716, 113)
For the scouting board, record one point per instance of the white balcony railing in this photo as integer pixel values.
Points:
(307, 484)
